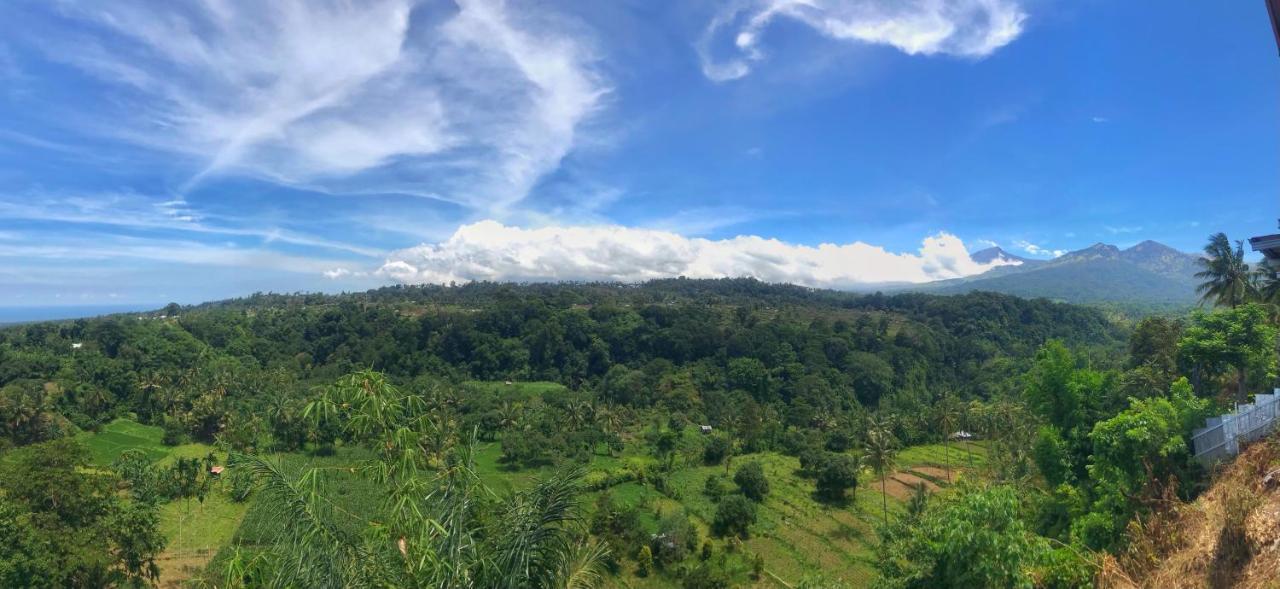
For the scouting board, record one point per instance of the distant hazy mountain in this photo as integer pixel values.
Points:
(995, 253)
(1149, 274)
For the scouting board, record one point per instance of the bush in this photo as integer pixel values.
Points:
(811, 461)
(734, 516)
(717, 448)
(707, 576)
(838, 473)
(174, 433)
(751, 481)
(676, 538)
(644, 562)
(525, 449)
(974, 539)
(715, 487)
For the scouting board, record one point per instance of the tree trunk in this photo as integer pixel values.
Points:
(1243, 391)
(884, 498)
(946, 454)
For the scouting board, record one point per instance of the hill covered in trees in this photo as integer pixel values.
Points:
(682, 433)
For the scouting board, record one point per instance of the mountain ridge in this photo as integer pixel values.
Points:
(1147, 274)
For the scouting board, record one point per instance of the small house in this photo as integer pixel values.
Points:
(706, 429)
(77, 345)
(961, 436)
(216, 471)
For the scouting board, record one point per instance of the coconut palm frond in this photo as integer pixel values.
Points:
(535, 532)
(583, 567)
(1226, 278)
(310, 548)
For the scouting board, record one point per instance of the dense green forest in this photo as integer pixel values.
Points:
(578, 435)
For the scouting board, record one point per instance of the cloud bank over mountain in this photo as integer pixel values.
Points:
(489, 250)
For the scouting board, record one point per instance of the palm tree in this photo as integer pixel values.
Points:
(881, 455)
(1227, 281)
(948, 417)
(971, 411)
(509, 416)
(1266, 282)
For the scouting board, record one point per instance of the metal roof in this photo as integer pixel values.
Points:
(1269, 245)
(1273, 10)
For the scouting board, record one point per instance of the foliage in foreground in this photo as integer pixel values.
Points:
(438, 525)
(978, 538)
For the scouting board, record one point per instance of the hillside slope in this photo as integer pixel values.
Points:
(1228, 537)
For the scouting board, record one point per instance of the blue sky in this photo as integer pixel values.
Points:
(191, 150)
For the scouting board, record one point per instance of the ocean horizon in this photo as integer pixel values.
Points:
(58, 312)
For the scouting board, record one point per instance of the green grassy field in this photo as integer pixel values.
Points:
(196, 532)
(355, 500)
(124, 434)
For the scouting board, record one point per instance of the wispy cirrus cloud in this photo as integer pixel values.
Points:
(963, 28)
(129, 211)
(471, 103)
(489, 250)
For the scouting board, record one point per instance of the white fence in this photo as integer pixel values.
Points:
(1222, 436)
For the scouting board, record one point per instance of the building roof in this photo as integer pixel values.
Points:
(1273, 10)
(1269, 245)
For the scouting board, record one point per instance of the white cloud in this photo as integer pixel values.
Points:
(471, 103)
(1036, 250)
(336, 273)
(965, 28)
(1101, 120)
(986, 243)
(132, 211)
(489, 250)
(1122, 230)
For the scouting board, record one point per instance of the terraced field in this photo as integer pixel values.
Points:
(795, 533)
(124, 434)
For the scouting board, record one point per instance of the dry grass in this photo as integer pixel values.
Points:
(1228, 537)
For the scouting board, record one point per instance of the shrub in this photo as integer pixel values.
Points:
(838, 473)
(715, 487)
(734, 516)
(707, 576)
(717, 448)
(676, 538)
(174, 433)
(751, 481)
(644, 562)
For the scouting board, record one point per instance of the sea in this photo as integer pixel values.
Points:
(10, 315)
